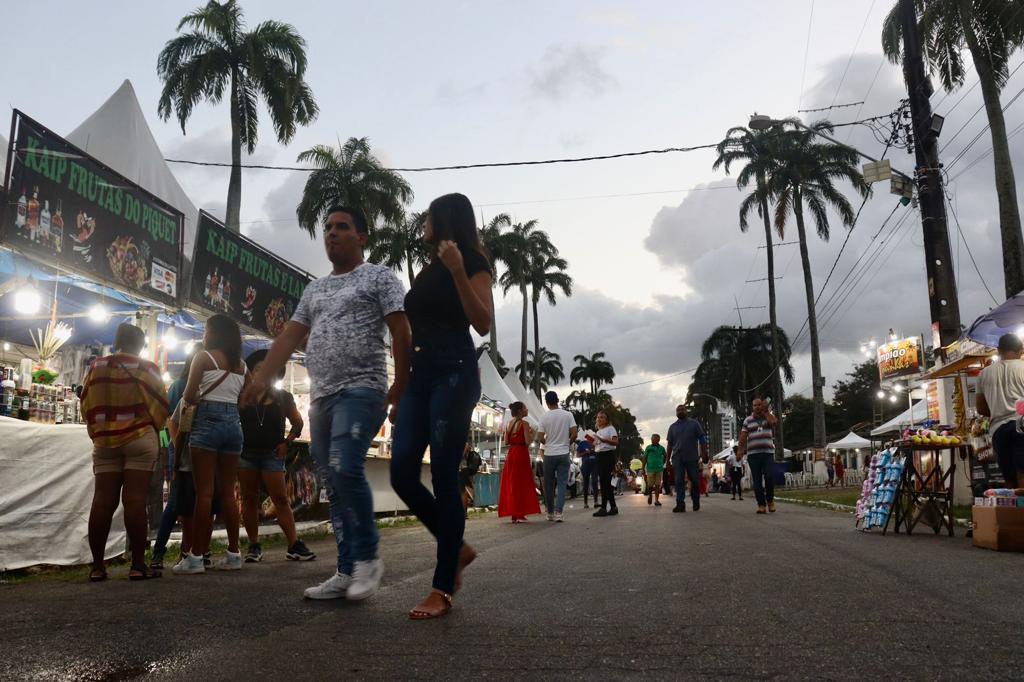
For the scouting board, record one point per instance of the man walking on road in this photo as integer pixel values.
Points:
(735, 467)
(557, 430)
(684, 438)
(344, 316)
(757, 444)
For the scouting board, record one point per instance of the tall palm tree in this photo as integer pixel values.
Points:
(547, 275)
(525, 244)
(351, 175)
(990, 30)
(754, 150)
(497, 243)
(219, 55)
(400, 245)
(594, 370)
(547, 371)
(733, 359)
(804, 176)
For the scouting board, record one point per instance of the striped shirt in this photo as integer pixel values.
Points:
(759, 435)
(122, 398)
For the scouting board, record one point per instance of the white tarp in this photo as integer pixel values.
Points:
(850, 442)
(903, 421)
(117, 134)
(507, 390)
(46, 485)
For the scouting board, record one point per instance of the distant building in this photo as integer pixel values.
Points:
(723, 431)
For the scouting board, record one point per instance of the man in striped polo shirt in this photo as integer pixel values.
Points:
(757, 444)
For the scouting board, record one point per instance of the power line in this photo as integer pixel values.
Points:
(829, 107)
(501, 164)
(850, 60)
(969, 252)
(807, 50)
(651, 381)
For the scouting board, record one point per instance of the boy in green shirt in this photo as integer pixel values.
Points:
(654, 456)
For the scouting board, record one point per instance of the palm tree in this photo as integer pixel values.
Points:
(990, 30)
(753, 150)
(497, 243)
(220, 56)
(594, 370)
(547, 274)
(351, 175)
(548, 371)
(525, 244)
(400, 245)
(804, 175)
(735, 358)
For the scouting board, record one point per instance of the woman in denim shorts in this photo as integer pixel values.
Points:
(215, 381)
(263, 459)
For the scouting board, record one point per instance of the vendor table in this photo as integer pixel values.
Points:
(925, 492)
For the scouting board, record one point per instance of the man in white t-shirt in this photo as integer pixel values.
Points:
(1000, 387)
(557, 429)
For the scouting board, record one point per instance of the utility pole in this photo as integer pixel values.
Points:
(942, 294)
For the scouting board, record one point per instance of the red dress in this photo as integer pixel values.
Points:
(518, 496)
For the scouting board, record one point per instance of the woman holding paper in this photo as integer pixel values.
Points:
(518, 497)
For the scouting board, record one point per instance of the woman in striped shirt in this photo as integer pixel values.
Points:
(125, 405)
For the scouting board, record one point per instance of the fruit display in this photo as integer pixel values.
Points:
(941, 436)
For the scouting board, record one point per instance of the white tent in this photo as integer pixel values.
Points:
(117, 134)
(723, 455)
(850, 442)
(507, 390)
(920, 413)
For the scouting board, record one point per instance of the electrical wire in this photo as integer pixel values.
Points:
(970, 254)
(807, 50)
(850, 60)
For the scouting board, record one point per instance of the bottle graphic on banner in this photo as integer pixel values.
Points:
(44, 223)
(220, 291)
(22, 215)
(57, 228)
(206, 289)
(33, 215)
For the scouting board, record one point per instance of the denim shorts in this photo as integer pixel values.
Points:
(217, 428)
(261, 460)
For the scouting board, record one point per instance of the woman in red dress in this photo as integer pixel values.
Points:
(518, 497)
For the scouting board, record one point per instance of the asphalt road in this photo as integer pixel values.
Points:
(722, 593)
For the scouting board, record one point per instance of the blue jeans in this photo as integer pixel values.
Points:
(556, 473)
(342, 427)
(588, 471)
(691, 470)
(167, 521)
(762, 469)
(436, 410)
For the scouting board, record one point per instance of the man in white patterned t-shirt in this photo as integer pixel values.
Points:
(344, 316)
(757, 444)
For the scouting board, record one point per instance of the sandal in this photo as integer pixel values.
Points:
(97, 575)
(421, 613)
(466, 556)
(157, 564)
(142, 573)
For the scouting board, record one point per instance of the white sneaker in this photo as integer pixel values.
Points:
(551, 517)
(334, 587)
(189, 565)
(366, 576)
(558, 517)
(232, 561)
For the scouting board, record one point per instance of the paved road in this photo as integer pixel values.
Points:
(722, 593)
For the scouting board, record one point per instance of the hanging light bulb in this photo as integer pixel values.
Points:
(7, 346)
(880, 394)
(897, 387)
(892, 398)
(27, 300)
(872, 343)
(170, 340)
(279, 384)
(166, 376)
(189, 347)
(99, 314)
(863, 348)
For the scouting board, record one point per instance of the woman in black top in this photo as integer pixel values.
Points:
(265, 447)
(448, 296)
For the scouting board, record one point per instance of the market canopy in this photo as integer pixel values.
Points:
(117, 134)
(724, 454)
(1004, 318)
(3, 155)
(903, 421)
(851, 442)
(507, 390)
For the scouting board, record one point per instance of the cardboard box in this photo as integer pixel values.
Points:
(999, 528)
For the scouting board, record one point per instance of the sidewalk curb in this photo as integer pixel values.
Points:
(833, 506)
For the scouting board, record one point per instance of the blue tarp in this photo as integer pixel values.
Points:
(1004, 318)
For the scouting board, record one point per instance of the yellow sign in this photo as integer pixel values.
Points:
(899, 358)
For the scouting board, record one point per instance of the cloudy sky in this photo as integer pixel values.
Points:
(653, 242)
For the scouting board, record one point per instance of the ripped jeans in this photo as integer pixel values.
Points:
(342, 427)
(435, 411)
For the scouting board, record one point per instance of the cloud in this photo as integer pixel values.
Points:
(567, 70)
(450, 93)
(682, 234)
